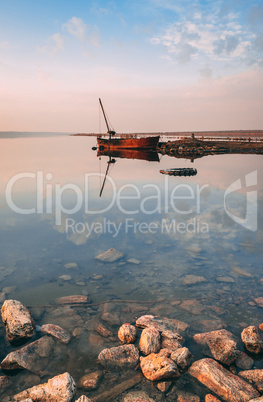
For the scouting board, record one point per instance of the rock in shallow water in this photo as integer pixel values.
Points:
(110, 256)
(219, 380)
(149, 341)
(137, 396)
(162, 324)
(125, 355)
(252, 340)
(17, 320)
(221, 343)
(158, 367)
(127, 333)
(33, 357)
(182, 358)
(90, 381)
(60, 389)
(57, 332)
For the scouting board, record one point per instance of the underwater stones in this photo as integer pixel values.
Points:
(73, 299)
(242, 272)
(182, 357)
(221, 343)
(4, 382)
(162, 324)
(193, 279)
(157, 367)
(183, 396)
(60, 388)
(90, 381)
(33, 357)
(71, 265)
(259, 300)
(137, 396)
(134, 261)
(65, 278)
(57, 332)
(219, 380)
(125, 355)
(149, 341)
(110, 255)
(18, 321)
(227, 279)
(251, 339)
(164, 386)
(83, 398)
(103, 331)
(127, 333)
(192, 305)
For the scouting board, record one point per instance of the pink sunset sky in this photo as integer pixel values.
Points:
(158, 66)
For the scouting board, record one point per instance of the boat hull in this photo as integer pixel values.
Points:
(128, 143)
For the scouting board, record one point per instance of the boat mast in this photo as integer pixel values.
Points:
(110, 132)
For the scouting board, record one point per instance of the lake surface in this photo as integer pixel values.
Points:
(209, 225)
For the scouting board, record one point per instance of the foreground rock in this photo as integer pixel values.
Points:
(57, 332)
(90, 381)
(149, 341)
(110, 256)
(33, 357)
(17, 320)
(127, 333)
(60, 389)
(254, 376)
(251, 339)
(222, 345)
(219, 380)
(162, 324)
(211, 398)
(125, 355)
(158, 367)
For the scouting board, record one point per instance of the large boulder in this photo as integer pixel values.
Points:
(17, 320)
(125, 355)
(222, 345)
(252, 340)
(60, 389)
(157, 367)
(226, 385)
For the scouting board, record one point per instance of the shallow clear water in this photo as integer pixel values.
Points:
(52, 215)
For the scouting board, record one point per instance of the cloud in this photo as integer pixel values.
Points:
(213, 34)
(55, 44)
(76, 27)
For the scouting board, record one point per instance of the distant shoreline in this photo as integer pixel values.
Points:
(223, 133)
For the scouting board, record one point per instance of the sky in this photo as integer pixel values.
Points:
(157, 65)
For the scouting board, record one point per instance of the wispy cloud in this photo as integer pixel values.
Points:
(54, 44)
(76, 27)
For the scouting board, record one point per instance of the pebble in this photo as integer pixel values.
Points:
(134, 261)
(193, 279)
(71, 265)
(65, 277)
(227, 279)
(110, 255)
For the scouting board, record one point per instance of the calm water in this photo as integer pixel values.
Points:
(52, 215)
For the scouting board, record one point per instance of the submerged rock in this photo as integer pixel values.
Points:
(243, 361)
(33, 357)
(125, 355)
(221, 343)
(127, 333)
(193, 279)
(4, 382)
(157, 367)
(251, 339)
(162, 324)
(90, 381)
(17, 320)
(110, 256)
(164, 386)
(74, 299)
(60, 389)
(219, 380)
(57, 332)
(149, 341)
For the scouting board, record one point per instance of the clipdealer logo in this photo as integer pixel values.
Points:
(250, 220)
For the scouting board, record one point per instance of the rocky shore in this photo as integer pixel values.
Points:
(197, 148)
(151, 359)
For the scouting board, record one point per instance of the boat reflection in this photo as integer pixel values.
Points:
(142, 154)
